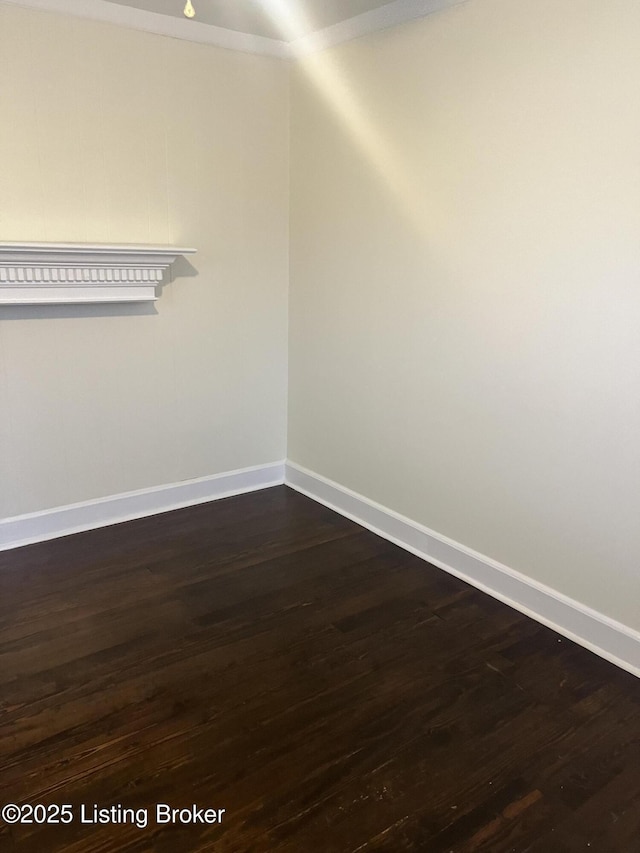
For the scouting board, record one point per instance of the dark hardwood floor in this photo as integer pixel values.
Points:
(331, 692)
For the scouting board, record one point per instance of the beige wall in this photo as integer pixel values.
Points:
(119, 136)
(465, 310)
(465, 283)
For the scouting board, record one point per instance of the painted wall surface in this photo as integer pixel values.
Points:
(111, 135)
(465, 283)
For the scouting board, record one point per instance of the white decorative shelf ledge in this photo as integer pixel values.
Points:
(64, 273)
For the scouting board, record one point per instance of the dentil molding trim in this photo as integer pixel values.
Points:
(65, 273)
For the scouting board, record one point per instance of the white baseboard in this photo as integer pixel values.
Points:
(74, 518)
(612, 640)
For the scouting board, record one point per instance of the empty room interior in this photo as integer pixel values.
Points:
(320, 426)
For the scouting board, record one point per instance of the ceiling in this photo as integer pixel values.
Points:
(252, 16)
(283, 28)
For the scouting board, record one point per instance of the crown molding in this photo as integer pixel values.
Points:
(163, 25)
(382, 18)
(67, 273)
(390, 15)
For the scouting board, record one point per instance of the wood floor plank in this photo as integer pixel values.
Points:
(332, 692)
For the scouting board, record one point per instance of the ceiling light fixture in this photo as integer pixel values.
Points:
(189, 11)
